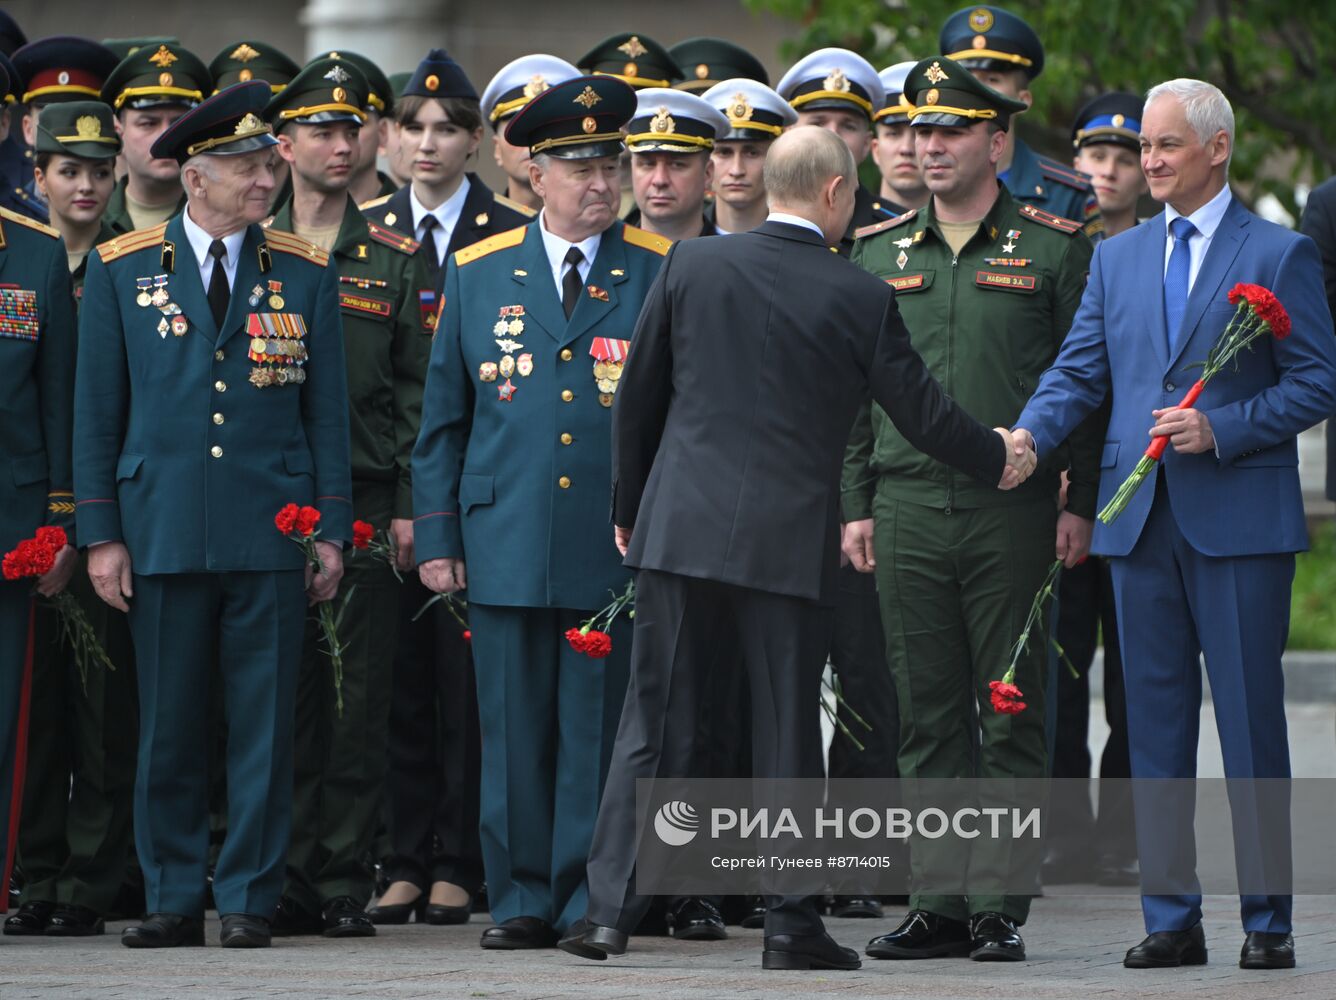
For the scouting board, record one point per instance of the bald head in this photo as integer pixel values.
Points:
(802, 163)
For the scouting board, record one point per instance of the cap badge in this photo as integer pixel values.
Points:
(931, 96)
(587, 98)
(244, 53)
(740, 109)
(979, 42)
(339, 94)
(1118, 121)
(702, 71)
(981, 19)
(164, 79)
(936, 74)
(88, 127)
(632, 47)
(837, 81)
(338, 74)
(432, 82)
(245, 75)
(250, 123)
(335, 55)
(630, 69)
(535, 86)
(163, 57)
(590, 125)
(63, 77)
(662, 122)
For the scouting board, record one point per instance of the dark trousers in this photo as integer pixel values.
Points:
(15, 681)
(784, 642)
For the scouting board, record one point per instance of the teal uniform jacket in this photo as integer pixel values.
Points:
(1045, 183)
(180, 453)
(513, 472)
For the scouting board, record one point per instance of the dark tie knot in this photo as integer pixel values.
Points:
(217, 251)
(1181, 228)
(574, 256)
(428, 223)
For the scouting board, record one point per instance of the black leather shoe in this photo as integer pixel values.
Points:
(439, 913)
(923, 935)
(398, 913)
(807, 951)
(342, 918)
(868, 907)
(73, 920)
(165, 930)
(1265, 950)
(1167, 949)
(994, 938)
(755, 915)
(593, 941)
(30, 920)
(519, 933)
(291, 919)
(694, 919)
(244, 930)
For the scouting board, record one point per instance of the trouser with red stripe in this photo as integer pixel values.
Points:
(15, 680)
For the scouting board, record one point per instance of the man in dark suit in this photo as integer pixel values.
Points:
(1319, 223)
(700, 524)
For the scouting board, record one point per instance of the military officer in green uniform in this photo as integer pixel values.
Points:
(341, 756)
(989, 287)
(75, 839)
(511, 476)
(369, 182)
(211, 392)
(1004, 52)
(149, 90)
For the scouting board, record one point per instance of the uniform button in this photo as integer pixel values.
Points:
(564, 482)
(220, 386)
(566, 439)
(217, 418)
(218, 355)
(216, 451)
(567, 395)
(566, 354)
(1168, 387)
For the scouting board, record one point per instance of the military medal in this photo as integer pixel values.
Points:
(506, 367)
(605, 398)
(500, 329)
(508, 346)
(902, 260)
(179, 326)
(258, 345)
(609, 355)
(144, 299)
(597, 293)
(256, 294)
(524, 365)
(1008, 261)
(505, 391)
(515, 327)
(163, 327)
(1012, 236)
(487, 371)
(275, 299)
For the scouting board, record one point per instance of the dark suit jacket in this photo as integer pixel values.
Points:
(749, 360)
(1319, 223)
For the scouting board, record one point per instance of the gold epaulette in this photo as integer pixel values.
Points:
(139, 239)
(880, 227)
(392, 238)
(1064, 175)
(638, 237)
(501, 241)
(374, 202)
(286, 242)
(1057, 222)
(515, 206)
(23, 220)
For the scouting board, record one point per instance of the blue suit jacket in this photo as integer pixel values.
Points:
(1246, 500)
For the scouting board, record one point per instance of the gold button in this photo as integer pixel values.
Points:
(564, 482)
(566, 439)
(218, 355)
(220, 386)
(216, 451)
(567, 395)
(217, 418)
(566, 354)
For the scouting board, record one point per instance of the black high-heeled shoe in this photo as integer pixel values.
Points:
(398, 913)
(439, 913)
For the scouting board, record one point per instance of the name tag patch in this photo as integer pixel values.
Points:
(901, 282)
(364, 304)
(1011, 282)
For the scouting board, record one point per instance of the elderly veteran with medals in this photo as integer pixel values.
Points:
(211, 392)
(511, 476)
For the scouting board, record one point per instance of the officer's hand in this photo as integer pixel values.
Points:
(1021, 458)
(856, 543)
(1187, 430)
(622, 537)
(53, 581)
(443, 576)
(109, 569)
(1074, 534)
(402, 530)
(323, 585)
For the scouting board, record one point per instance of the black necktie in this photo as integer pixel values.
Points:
(428, 241)
(219, 292)
(571, 283)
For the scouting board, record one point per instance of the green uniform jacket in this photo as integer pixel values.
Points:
(1063, 191)
(80, 273)
(386, 304)
(117, 216)
(987, 325)
(37, 348)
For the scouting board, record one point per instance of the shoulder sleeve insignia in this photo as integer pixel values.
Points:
(1057, 222)
(33, 224)
(392, 238)
(119, 246)
(1063, 175)
(374, 202)
(501, 241)
(515, 206)
(638, 237)
(289, 243)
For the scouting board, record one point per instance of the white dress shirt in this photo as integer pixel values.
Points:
(199, 245)
(447, 216)
(557, 247)
(1206, 220)
(796, 220)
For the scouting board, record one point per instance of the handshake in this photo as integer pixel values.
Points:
(1021, 457)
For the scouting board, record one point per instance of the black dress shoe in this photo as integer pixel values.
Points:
(923, 935)
(1267, 950)
(73, 920)
(439, 913)
(343, 918)
(291, 919)
(593, 941)
(807, 951)
(398, 913)
(244, 930)
(165, 930)
(755, 915)
(30, 920)
(694, 919)
(1167, 949)
(994, 938)
(519, 933)
(856, 906)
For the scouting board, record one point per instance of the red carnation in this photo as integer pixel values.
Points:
(286, 519)
(597, 644)
(307, 519)
(362, 534)
(468, 636)
(1006, 698)
(53, 538)
(577, 640)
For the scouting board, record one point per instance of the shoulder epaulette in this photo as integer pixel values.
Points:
(374, 202)
(878, 227)
(1054, 170)
(392, 238)
(138, 239)
(286, 242)
(1057, 222)
(23, 220)
(638, 237)
(501, 241)
(515, 206)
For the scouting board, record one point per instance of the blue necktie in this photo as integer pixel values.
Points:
(1176, 280)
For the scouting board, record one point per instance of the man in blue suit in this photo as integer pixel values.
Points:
(1203, 556)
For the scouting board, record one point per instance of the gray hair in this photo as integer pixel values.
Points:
(203, 163)
(1207, 109)
(802, 161)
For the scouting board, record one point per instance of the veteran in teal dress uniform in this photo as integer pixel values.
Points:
(211, 392)
(511, 479)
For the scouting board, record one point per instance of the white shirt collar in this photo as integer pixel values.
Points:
(1207, 218)
(556, 248)
(796, 220)
(447, 213)
(199, 245)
